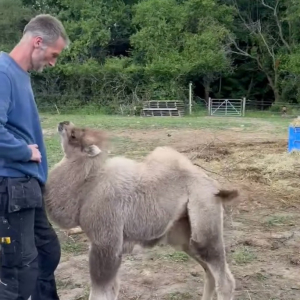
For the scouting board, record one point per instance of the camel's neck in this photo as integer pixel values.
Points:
(64, 189)
(81, 169)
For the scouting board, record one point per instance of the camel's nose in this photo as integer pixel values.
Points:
(61, 125)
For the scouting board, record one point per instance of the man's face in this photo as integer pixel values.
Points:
(43, 56)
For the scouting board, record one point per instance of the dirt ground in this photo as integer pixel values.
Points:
(262, 229)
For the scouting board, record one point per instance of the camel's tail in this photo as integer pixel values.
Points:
(227, 195)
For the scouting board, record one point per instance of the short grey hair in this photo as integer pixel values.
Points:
(47, 27)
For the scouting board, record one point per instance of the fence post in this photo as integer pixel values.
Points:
(244, 106)
(209, 106)
(190, 98)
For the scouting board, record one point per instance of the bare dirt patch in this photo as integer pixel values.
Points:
(262, 230)
(185, 138)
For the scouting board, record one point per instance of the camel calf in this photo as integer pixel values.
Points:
(119, 202)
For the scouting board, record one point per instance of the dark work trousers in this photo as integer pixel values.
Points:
(28, 263)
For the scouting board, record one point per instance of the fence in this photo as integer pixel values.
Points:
(226, 107)
(68, 103)
(269, 108)
(233, 107)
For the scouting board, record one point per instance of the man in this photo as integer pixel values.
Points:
(30, 250)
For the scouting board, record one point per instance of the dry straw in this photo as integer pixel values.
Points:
(296, 122)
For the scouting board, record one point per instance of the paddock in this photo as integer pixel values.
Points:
(262, 230)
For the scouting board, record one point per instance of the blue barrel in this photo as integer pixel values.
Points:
(294, 139)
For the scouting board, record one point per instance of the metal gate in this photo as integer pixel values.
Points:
(226, 107)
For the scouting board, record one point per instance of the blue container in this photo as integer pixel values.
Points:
(294, 139)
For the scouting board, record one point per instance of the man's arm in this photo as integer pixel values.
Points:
(10, 147)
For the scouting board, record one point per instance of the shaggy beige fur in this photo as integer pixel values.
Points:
(119, 202)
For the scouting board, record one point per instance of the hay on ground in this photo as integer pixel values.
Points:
(296, 122)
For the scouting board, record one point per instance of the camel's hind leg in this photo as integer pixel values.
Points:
(219, 272)
(207, 245)
(179, 237)
(104, 263)
(209, 283)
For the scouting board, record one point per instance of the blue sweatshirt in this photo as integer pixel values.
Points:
(19, 124)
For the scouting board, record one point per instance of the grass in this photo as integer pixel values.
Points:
(126, 146)
(260, 277)
(68, 283)
(54, 151)
(243, 255)
(178, 296)
(122, 145)
(121, 122)
(278, 220)
(73, 247)
(169, 255)
(176, 256)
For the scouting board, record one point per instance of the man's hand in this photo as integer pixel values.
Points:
(36, 154)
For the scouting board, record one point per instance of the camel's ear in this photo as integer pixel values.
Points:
(92, 150)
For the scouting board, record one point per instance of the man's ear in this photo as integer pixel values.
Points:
(37, 42)
(92, 150)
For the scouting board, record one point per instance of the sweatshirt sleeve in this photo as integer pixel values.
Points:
(10, 147)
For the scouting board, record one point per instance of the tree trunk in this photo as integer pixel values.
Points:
(206, 90)
(277, 95)
(276, 89)
(249, 88)
(206, 84)
(274, 86)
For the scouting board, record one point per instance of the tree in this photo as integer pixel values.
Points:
(176, 40)
(265, 25)
(13, 18)
(124, 51)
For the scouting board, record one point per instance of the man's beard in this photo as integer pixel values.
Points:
(40, 64)
(40, 68)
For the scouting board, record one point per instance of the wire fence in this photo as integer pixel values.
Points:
(132, 105)
(263, 107)
(269, 107)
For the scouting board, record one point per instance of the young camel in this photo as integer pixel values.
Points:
(119, 203)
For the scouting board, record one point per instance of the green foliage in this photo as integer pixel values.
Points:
(126, 51)
(167, 42)
(13, 17)
(269, 37)
(178, 40)
(293, 62)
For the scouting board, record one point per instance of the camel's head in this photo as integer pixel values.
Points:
(81, 142)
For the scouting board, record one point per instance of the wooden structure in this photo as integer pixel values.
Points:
(163, 108)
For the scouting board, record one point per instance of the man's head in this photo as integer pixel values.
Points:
(44, 37)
